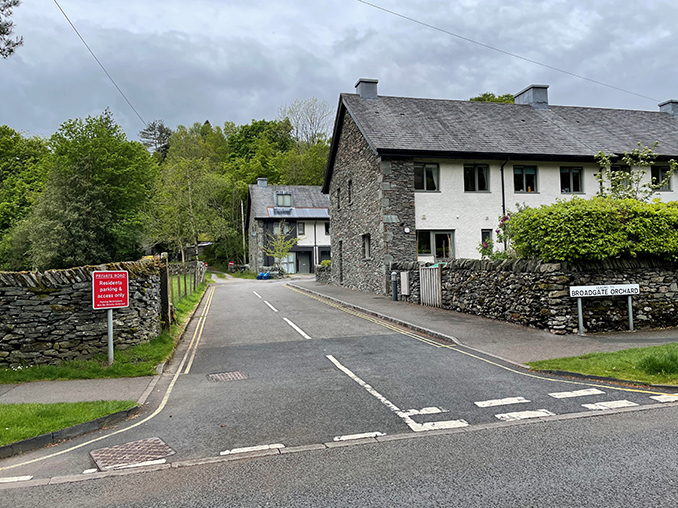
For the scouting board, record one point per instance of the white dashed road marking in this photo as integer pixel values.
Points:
(301, 332)
(501, 402)
(405, 415)
(138, 464)
(12, 479)
(523, 415)
(577, 393)
(613, 404)
(253, 449)
(90, 471)
(359, 436)
(271, 306)
(257, 294)
(665, 398)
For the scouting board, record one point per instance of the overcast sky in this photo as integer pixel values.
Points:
(188, 61)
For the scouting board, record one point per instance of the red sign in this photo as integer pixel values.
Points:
(110, 289)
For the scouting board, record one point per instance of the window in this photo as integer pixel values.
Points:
(659, 174)
(367, 252)
(284, 200)
(276, 228)
(327, 228)
(525, 178)
(437, 243)
(350, 191)
(476, 177)
(485, 236)
(301, 228)
(571, 180)
(426, 176)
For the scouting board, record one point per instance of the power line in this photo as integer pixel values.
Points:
(100, 64)
(433, 27)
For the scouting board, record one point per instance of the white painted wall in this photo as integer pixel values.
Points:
(467, 213)
(320, 239)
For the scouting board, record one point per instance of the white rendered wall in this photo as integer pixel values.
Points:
(320, 239)
(467, 213)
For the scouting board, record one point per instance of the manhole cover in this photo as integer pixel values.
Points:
(125, 455)
(226, 376)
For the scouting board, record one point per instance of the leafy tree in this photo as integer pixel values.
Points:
(311, 120)
(245, 141)
(627, 180)
(91, 209)
(7, 44)
(490, 97)
(280, 244)
(155, 136)
(22, 175)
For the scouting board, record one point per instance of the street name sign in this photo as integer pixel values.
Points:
(110, 289)
(604, 290)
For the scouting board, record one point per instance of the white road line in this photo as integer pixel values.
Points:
(523, 415)
(405, 415)
(359, 436)
(301, 332)
(613, 404)
(201, 326)
(665, 398)
(253, 449)
(90, 471)
(137, 464)
(271, 306)
(257, 294)
(501, 402)
(577, 393)
(424, 411)
(12, 479)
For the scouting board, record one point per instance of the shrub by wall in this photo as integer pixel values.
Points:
(596, 229)
(47, 317)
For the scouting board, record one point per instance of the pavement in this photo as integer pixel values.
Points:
(514, 343)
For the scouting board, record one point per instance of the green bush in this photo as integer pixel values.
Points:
(326, 262)
(596, 229)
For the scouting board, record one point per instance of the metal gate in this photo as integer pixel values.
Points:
(431, 286)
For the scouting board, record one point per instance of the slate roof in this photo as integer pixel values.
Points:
(307, 202)
(393, 124)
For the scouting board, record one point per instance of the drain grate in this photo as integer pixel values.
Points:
(226, 376)
(135, 452)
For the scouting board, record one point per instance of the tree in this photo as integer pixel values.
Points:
(627, 179)
(91, 209)
(311, 120)
(490, 97)
(280, 244)
(156, 136)
(7, 44)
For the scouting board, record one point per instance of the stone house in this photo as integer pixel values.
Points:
(303, 210)
(425, 180)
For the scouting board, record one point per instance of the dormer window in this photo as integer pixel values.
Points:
(283, 200)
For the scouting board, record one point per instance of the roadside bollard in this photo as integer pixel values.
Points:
(394, 286)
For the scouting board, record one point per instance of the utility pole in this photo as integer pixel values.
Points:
(242, 217)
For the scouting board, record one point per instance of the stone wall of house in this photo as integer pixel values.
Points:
(351, 218)
(47, 317)
(256, 238)
(537, 294)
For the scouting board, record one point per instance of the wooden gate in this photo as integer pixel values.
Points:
(431, 287)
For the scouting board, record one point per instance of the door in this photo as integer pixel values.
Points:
(304, 262)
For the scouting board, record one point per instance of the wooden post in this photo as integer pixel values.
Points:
(185, 281)
(165, 282)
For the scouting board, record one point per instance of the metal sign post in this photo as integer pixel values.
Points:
(110, 290)
(580, 292)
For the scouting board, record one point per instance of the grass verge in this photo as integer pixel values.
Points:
(139, 360)
(23, 421)
(653, 365)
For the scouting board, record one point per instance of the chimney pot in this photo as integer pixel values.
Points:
(262, 182)
(367, 88)
(670, 107)
(536, 96)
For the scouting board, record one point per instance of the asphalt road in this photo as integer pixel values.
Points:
(270, 366)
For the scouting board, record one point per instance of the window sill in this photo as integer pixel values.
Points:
(575, 193)
(525, 192)
(427, 191)
(477, 192)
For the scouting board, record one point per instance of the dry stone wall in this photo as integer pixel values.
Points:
(47, 317)
(537, 294)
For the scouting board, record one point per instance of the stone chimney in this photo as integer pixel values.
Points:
(670, 107)
(262, 182)
(367, 88)
(536, 96)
